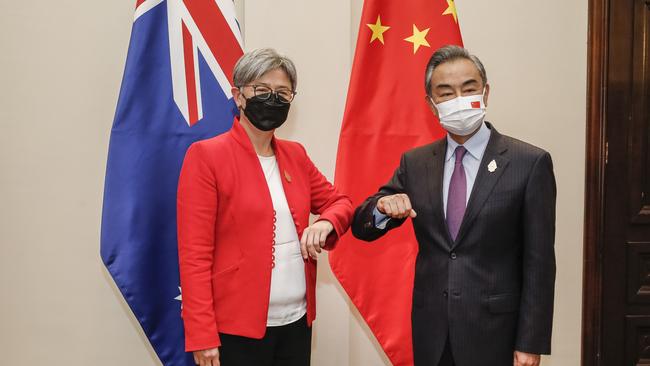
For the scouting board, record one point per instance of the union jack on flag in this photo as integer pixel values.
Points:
(175, 90)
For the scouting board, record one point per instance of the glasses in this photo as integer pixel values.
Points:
(264, 93)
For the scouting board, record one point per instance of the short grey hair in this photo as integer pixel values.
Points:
(252, 65)
(447, 54)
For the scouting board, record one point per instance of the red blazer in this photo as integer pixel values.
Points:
(226, 229)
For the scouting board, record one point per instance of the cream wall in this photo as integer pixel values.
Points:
(60, 71)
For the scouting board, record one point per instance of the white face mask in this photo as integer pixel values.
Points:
(463, 115)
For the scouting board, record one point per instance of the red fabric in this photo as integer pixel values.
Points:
(386, 114)
(188, 54)
(225, 232)
(217, 33)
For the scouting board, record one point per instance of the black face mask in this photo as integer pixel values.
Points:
(268, 114)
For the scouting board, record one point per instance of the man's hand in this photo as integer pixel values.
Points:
(396, 206)
(207, 357)
(314, 237)
(526, 359)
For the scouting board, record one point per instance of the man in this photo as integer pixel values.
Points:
(483, 211)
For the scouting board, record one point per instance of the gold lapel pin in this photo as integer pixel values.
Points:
(287, 176)
(492, 166)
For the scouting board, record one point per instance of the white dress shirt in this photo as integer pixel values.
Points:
(287, 302)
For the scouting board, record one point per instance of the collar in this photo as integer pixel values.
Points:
(239, 134)
(475, 145)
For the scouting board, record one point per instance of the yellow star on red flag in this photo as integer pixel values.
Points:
(378, 30)
(451, 9)
(419, 38)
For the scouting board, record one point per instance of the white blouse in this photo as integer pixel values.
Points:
(287, 302)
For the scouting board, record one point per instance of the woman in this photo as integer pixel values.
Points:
(244, 199)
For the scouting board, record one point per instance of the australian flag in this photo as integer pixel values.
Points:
(175, 90)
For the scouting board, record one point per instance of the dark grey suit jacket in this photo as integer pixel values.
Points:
(491, 290)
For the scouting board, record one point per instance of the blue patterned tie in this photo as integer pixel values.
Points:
(457, 196)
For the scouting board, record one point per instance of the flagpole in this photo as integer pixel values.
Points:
(240, 11)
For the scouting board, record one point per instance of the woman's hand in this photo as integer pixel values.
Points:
(207, 357)
(314, 237)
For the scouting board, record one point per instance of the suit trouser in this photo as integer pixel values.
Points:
(447, 358)
(287, 345)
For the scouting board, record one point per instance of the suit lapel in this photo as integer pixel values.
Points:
(487, 177)
(285, 175)
(435, 172)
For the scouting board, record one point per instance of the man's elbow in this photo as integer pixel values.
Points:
(365, 231)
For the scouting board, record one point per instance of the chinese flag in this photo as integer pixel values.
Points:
(385, 115)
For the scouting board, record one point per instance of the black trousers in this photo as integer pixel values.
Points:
(447, 358)
(287, 345)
